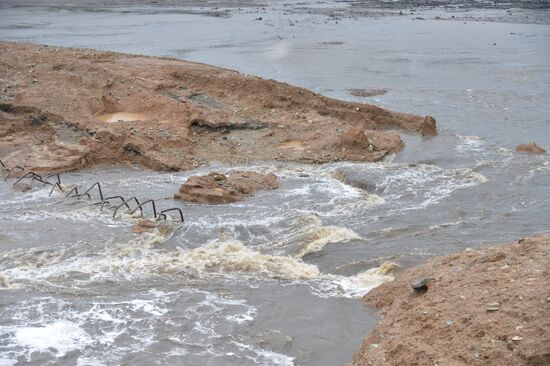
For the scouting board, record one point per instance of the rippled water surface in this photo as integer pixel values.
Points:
(275, 280)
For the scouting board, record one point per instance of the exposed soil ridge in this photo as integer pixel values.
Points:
(64, 108)
(483, 307)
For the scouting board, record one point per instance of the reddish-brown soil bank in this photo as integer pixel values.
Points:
(63, 109)
(218, 188)
(483, 307)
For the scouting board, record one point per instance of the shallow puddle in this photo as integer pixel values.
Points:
(122, 117)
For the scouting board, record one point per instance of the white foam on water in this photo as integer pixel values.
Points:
(140, 259)
(265, 357)
(470, 144)
(363, 282)
(215, 222)
(4, 282)
(317, 240)
(313, 235)
(150, 180)
(62, 335)
(429, 183)
(79, 215)
(7, 362)
(244, 318)
(301, 191)
(233, 256)
(335, 188)
(85, 361)
(105, 330)
(406, 186)
(36, 194)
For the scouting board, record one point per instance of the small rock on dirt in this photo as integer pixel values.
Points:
(421, 285)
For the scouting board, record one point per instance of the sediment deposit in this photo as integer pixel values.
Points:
(218, 188)
(483, 307)
(64, 109)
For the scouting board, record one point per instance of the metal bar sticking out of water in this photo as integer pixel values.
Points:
(58, 187)
(152, 202)
(74, 193)
(106, 200)
(12, 169)
(89, 189)
(75, 190)
(163, 215)
(54, 175)
(126, 203)
(33, 176)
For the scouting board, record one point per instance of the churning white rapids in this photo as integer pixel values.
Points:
(101, 292)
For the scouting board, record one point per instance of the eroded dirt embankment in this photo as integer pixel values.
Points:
(64, 109)
(483, 307)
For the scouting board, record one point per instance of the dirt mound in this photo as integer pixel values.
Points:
(483, 307)
(218, 188)
(63, 109)
(530, 148)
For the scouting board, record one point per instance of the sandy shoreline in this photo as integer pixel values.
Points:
(484, 307)
(68, 109)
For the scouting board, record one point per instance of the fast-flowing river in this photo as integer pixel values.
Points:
(276, 279)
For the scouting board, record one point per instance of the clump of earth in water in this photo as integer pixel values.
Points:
(530, 148)
(216, 188)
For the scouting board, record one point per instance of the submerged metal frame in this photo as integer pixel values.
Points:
(53, 188)
(73, 192)
(164, 216)
(141, 209)
(126, 203)
(106, 201)
(33, 176)
(89, 189)
(11, 171)
(54, 175)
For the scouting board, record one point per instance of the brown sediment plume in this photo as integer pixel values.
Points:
(482, 307)
(64, 109)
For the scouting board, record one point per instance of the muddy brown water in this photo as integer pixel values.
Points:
(275, 280)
